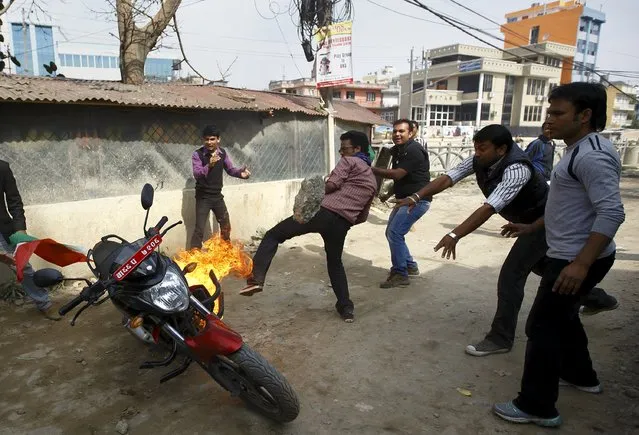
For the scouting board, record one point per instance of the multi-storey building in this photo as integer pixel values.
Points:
(367, 95)
(37, 43)
(476, 86)
(621, 105)
(568, 22)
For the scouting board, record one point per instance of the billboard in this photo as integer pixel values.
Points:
(334, 62)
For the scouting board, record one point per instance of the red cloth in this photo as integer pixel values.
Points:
(47, 249)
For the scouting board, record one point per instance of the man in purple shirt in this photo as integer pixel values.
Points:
(209, 161)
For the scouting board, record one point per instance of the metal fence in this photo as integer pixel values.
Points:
(62, 153)
(446, 156)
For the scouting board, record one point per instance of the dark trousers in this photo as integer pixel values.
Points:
(204, 205)
(526, 255)
(333, 229)
(557, 343)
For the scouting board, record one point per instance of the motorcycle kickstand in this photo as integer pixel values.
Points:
(178, 371)
(165, 362)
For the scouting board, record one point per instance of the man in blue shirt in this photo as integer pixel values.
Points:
(541, 152)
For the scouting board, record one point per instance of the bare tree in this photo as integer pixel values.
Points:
(139, 30)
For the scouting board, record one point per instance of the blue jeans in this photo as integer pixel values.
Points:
(399, 223)
(39, 295)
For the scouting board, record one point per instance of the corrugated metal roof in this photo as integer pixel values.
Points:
(14, 88)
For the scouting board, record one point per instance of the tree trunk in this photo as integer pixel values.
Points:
(136, 42)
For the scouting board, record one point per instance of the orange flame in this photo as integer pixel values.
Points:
(223, 257)
(219, 255)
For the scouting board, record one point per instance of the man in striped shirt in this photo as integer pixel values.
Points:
(514, 190)
(349, 193)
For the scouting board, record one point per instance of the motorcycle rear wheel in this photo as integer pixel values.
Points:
(261, 386)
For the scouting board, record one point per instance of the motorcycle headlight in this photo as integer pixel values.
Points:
(171, 295)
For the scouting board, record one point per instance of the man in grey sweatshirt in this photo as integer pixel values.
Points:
(583, 213)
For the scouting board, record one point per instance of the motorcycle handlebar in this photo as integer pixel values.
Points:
(71, 305)
(160, 224)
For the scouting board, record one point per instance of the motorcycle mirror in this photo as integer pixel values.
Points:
(147, 196)
(47, 277)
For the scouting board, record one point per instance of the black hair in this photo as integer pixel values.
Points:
(414, 124)
(210, 130)
(411, 127)
(584, 96)
(496, 134)
(357, 138)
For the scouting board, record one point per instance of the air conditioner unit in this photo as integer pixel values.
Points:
(540, 98)
(491, 94)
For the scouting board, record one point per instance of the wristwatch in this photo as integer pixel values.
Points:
(452, 235)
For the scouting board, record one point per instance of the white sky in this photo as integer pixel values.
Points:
(216, 31)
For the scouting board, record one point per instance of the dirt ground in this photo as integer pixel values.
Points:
(395, 370)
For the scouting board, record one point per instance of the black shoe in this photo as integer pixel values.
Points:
(602, 302)
(347, 314)
(252, 288)
(395, 280)
(413, 271)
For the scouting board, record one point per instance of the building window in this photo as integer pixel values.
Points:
(442, 115)
(98, 61)
(22, 46)
(535, 87)
(85, 61)
(468, 83)
(592, 48)
(581, 46)
(595, 28)
(114, 63)
(91, 61)
(389, 116)
(534, 35)
(418, 114)
(488, 83)
(532, 113)
(552, 61)
(485, 111)
(441, 85)
(44, 47)
(370, 96)
(350, 95)
(337, 94)
(76, 61)
(552, 86)
(418, 86)
(511, 20)
(582, 25)
(68, 59)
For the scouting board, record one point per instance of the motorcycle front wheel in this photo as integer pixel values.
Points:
(261, 386)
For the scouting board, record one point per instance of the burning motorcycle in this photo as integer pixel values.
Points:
(161, 309)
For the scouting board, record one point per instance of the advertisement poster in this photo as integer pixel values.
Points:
(334, 63)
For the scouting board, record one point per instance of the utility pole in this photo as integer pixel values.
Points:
(325, 18)
(425, 106)
(25, 35)
(410, 87)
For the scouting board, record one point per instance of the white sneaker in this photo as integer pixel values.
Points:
(597, 389)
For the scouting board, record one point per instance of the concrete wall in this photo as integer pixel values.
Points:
(251, 207)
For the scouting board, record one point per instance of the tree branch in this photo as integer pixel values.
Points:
(154, 28)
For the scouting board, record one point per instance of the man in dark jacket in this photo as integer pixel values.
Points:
(209, 163)
(12, 220)
(518, 193)
(541, 153)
